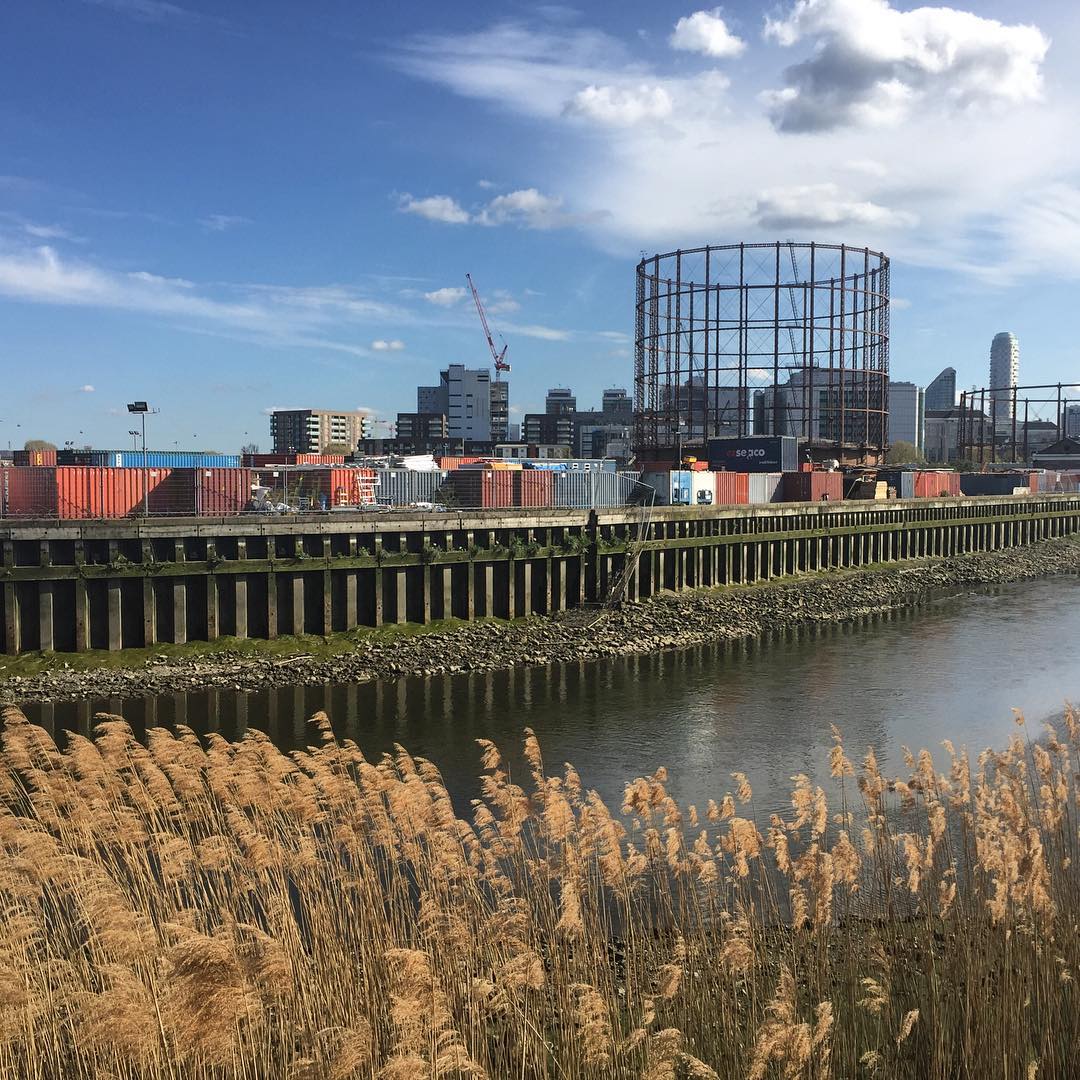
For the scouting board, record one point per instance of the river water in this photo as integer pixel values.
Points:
(953, 667)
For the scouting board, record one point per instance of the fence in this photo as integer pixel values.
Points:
(90, 492)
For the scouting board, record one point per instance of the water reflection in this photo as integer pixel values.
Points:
(952, 668)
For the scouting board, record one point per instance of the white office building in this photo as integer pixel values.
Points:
(1004, 373)
(465, 396)
(907, 418)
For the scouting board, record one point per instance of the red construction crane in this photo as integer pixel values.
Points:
(499, 357)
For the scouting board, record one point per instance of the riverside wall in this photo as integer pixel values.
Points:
(69, 587)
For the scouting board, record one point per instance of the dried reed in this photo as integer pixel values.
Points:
(194, 908)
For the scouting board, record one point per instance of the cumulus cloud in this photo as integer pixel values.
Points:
(527, 207)
(382, 345)
(446, 297)
(621, 107)
(822, 205)
(436, 208)
(873, 64)
(87, 389)
(706, 32)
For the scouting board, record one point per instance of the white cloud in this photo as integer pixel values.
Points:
(87, 389)
(813, 206)
(621, 107)
(706, 32)
(526, 207)
(929, 190)
(436, 208)
(540, 333)
(222, 222)
(873, 65)
(447, 296)
(502, 304)
(487, 185)
(151, 10)
(48, 232)
(382, 345)
(269, 314)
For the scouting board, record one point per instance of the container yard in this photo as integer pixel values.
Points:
(290, 483)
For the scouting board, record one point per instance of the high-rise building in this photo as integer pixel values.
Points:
(1072, 421)
(422, 427)
(906, 414)
(560, 401)
(310, 431)
(617, 406)
(1004, 372)
(548, 429)
(500, 411)
(941, 393)
(476, 408)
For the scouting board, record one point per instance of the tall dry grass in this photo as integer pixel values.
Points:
(195, 908)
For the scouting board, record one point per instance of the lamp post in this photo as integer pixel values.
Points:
(140, 408)
(134, 436)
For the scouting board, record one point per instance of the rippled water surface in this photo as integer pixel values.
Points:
(951, 668)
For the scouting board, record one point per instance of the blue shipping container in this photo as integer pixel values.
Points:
(165, 459)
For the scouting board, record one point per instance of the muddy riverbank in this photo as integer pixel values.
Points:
(664, 622)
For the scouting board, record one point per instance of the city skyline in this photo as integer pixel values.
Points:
(227, 214)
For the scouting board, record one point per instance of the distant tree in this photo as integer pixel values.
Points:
(903, 453)
(38, 444)
(337, 448)
(249, 448)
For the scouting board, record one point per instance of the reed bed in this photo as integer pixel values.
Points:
(186, 907)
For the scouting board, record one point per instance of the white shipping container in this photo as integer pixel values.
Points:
(766, 487)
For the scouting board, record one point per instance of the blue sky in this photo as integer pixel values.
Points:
(224, 207)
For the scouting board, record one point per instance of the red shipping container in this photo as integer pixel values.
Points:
(813, 486)
(88, 491)
(936, 485)
(1033, 483)
(219, 492)
(484, 488)
(534, 487)
(732, 489)
(27, 491)
(34, 457)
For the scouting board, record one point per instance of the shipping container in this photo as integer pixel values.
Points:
(902, 481)
(936, 485)
(598, 489)
(482, 488)
(33, 457)
(28, 491)
(255, 461)
(154, 459)
(996, 483)
(534, 487)
(732, 489)
(407, 487)
(756, 453)
(570, 464)
(765, 487)
(448, 463)
(219, 492)
(813, 486)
